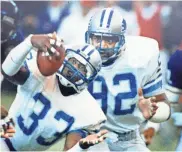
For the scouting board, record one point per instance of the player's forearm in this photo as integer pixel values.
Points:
(16, 57)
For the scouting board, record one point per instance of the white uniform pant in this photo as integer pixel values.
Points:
(135, 143)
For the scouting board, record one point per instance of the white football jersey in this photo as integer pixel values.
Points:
(116, 87)
(43, 115)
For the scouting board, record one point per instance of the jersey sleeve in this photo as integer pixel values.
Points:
(153, 78)
(174, 77)
(35, 77)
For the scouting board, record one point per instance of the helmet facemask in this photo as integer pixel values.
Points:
(76, 71)
(108, 45)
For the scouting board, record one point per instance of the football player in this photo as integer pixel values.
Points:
(45, 109)
(129, 85)
(11, 34)
(174, 88)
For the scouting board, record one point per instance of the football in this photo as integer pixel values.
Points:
(49, 66)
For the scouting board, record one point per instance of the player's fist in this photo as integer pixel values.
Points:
(47, 43)
(148, 106)
(50, 54)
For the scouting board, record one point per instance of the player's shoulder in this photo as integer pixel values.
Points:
(141, 49)
(140, 44)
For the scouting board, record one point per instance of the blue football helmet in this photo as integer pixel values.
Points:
(107, 25)
(80, 66)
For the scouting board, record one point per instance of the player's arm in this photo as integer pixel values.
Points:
(12, 67)
(152, 100)
(76, 141)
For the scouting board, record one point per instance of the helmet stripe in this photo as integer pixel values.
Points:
(84, 47)
(102, 18)
(109, 20)
(92, 51)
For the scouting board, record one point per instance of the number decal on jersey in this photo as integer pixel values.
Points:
(119, 98)
(101, 95)
(29, 56)
(35, 118)
(125, 95)
(60, 115)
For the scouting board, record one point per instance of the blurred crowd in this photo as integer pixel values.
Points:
(159, 20)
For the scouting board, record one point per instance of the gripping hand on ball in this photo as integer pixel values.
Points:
(47, 43)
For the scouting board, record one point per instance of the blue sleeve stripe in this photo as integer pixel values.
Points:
(82, 133)
(153, 87)
(159, 76)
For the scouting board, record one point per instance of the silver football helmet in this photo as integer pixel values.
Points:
(107, 25)
(80, 66)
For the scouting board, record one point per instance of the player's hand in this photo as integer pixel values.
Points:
(7, 127)
(177, 117)
(93, 139)
(47, 43)
(148, 106)
(8, 132)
